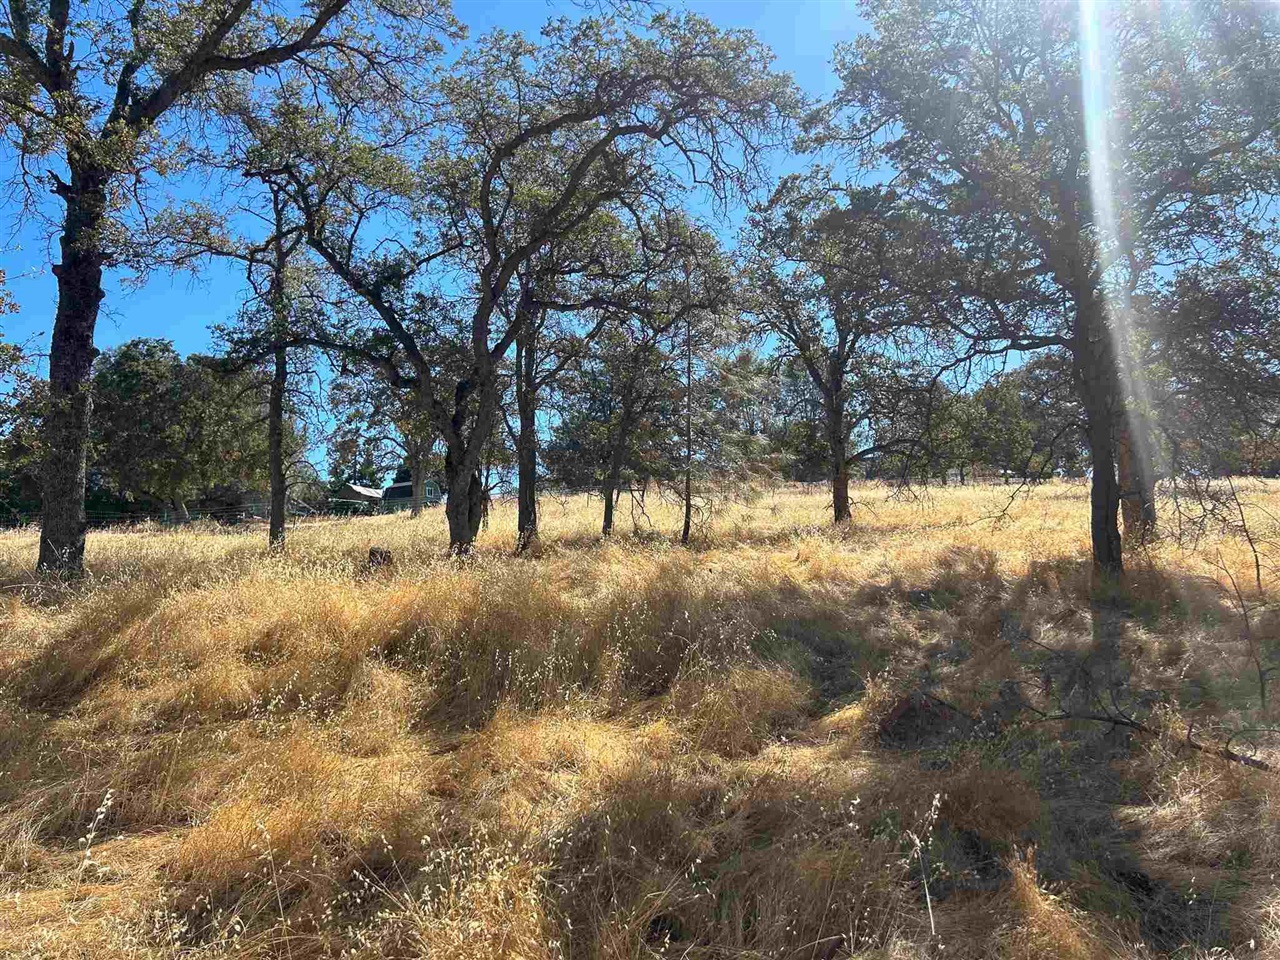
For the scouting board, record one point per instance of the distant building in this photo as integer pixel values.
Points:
(403, 493)
(353, 491)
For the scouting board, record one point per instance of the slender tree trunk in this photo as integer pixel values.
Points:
(613, 480)
(688, 425)
(527, 440)
(71, 356)
(1097, 378)
(275, 448)
(838, 440)
(688, 508)
(1137, 481)
(180, 509)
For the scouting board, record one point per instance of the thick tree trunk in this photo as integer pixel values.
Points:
(464, 510)
(1104, 496)
(417, 478)
(526, 440)
(71, 355)
(468, 501)
(180, 511)
(1097, 378)
(275, 448)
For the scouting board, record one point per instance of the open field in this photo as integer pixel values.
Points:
(788, 742)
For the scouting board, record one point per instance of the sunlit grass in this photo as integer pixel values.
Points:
(626, 748)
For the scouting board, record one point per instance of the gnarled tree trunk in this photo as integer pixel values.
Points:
(71, 356)
(464, 509)
(468, 501)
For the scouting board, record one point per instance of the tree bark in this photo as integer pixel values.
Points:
(688, 425)
(71, 356)
(838, 440)
(468, 496)
(688, 508)
(527, 439)
(468, 501)
(464, 509)
(1097, 378)
(417, 477)
(1137, 480)
(613, 480)
(275, 448)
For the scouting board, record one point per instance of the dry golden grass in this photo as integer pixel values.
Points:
(629, 749)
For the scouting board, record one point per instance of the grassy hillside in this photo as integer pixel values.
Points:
(787, 742)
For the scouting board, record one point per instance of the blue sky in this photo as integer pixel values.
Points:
(801, 32)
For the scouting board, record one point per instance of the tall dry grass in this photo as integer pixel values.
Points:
(627, 749)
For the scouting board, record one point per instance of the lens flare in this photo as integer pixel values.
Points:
(1111, 223)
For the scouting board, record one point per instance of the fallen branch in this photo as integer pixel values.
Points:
(1224, 752)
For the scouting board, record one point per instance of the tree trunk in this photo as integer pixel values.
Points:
(839, 443)
(1104, 496)
(688, 425)
(1137, 481)
(611, 484)
(464, 509)
(417, 478)
(468, 501)
(1097, 378)
(180, 509)
(275, 449)
(688, 508)
(527, 440)
(71, 355)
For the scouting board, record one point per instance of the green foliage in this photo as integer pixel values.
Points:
(169, 429)
(1212, 358)
(825, 264)
(624, 398)
(23, 395)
